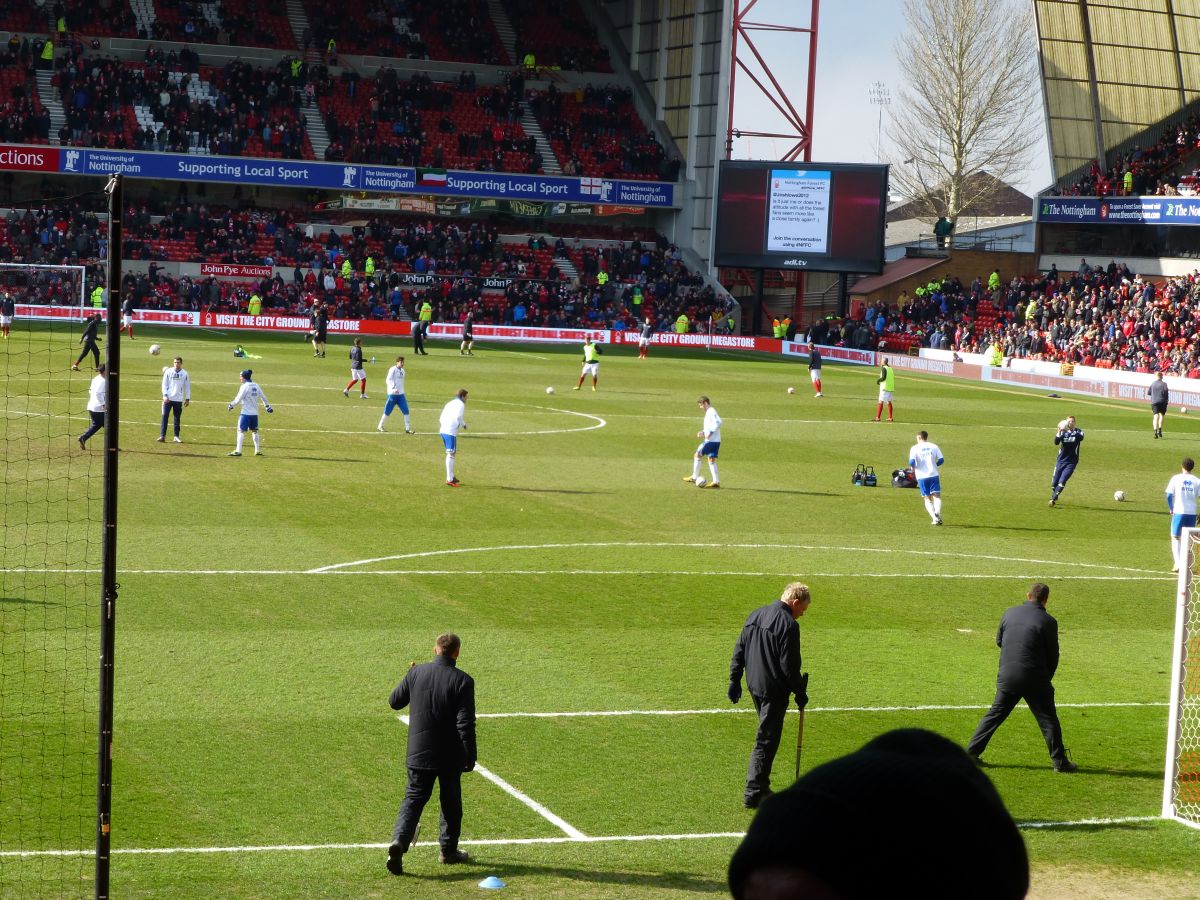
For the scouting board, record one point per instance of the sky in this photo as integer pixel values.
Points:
(855, 48)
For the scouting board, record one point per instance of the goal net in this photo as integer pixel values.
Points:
(1181, 788)
(50, 592)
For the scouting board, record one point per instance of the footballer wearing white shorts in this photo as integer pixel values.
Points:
(710, 444)
(925, 457)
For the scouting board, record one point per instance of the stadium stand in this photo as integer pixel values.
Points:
(597, 131)
(415, 121)
(1107, 317)
(1155, 169)
(451, 30)
(240, 110)
(23, 120)
(557, 35)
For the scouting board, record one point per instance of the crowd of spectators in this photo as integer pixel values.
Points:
(400, 113)
(367, 270)
(453, 30)
(597, 131)
(1097, 316)
(246, 110)
(23, 120)
(554, 34)
(1142, 171)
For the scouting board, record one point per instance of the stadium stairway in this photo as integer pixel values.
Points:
(315, 126)
(212, 13)
(298, 19)
(51, 101)
(143, 11)
(504, 28)
(567, 267)
(530, 123)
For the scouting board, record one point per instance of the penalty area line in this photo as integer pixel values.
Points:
(500, 842)
(557, 821)
(725, 711)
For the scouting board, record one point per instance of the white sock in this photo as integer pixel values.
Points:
(712, 467)
(449, 467)
(254, 437)
(929, 508)
(407, 426)
(937, 506)
(1175, 551)
(383, 419)
(695, 467)
(241, 436)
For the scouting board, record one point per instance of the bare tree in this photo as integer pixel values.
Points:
(967, 105)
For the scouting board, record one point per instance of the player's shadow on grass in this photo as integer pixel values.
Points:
(1001, 527)
(644, 881)
(1084, 771)
(1158, 514)
(782, 491)
(27, 601)
(522, 490)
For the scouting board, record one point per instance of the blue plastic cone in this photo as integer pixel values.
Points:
(492, 883)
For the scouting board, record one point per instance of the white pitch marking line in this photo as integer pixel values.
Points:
(723, 711)
(496, 842)
(719, 546)
(557, 821)
(598, 423)
(590, 572)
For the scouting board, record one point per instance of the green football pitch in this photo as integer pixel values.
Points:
(268, 605)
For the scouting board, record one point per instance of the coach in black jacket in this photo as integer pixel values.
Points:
(768, 650)
(1028, 642)
(441, 746)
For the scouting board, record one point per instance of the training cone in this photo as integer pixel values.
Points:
(492, 883)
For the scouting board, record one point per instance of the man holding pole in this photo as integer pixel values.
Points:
(768, 651)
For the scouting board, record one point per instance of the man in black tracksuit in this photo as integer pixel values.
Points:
(1028, 642)
(441, 746)
(88, 339)
(768, 649)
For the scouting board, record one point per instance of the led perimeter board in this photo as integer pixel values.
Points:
(825, 217)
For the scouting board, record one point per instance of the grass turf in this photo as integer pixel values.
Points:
(583, 575)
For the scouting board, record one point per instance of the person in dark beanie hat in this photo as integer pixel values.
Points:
(909, 814)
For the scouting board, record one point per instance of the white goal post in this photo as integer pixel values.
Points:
(1181, 783)
(36, 284)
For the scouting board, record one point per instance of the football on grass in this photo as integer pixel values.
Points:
(699, 481)
(1119, 496)
(155, 349)
(1183, 410)
(549, 390)
(791, 390)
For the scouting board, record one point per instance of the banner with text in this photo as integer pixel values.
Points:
(304, 173)
(1120, 210)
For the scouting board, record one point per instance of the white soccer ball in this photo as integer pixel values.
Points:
(791, 390)
(1062, 426)
(700, 481)
(549, 390)
(155, 349)
(1183, 410)
(1119, 496)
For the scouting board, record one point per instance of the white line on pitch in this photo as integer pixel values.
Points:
(720, 546)
(557, 821)
(496, 842)
(616, 713)
(591, 572)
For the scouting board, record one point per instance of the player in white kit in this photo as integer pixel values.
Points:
(1181, 500)
(249, 395)
(925, 457)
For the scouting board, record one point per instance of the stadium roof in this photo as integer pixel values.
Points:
(1113, 68)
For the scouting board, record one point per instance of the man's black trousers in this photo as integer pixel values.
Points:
(771, 712)
(1041, 703)
(420, 789)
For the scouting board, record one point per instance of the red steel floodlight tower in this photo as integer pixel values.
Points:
(746, 55)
